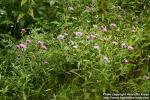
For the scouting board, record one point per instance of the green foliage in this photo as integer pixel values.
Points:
(73, 49)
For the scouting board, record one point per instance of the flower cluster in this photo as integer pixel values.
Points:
(23, 46)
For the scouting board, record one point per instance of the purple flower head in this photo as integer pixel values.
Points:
(21, 46)
(60, 37)
(78, 34)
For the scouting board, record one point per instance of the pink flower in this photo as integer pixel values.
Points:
(21, 46)
(103, 28)
(91, 37)
(60, 37)
(23, 30)
(78, 34)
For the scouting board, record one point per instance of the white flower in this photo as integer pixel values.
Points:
(115, 43)
(2, 13)
(11, 26)
(124, 45)
(78, 34)
(74, 18)
(113, 25)
(96, 47)
(146, 77)
(133, 29)
(60, 37)
(106, 59)
(71, 8)
(75, 46)
(125, 61)
(130, 48)
(103, 28)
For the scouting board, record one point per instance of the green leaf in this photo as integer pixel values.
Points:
(6, 22)
(30, 12)
(23, 2)
(21, 15)
(52, 2)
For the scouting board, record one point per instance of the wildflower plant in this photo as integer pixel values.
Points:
(83, 51)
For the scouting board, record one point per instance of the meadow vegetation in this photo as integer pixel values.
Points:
(73, 49)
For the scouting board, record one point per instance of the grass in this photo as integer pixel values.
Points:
(74, 67)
